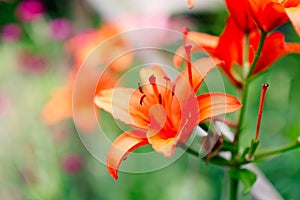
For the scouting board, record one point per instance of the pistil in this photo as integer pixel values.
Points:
(188, 48)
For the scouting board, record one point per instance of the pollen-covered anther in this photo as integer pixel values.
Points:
(152, 81)
(142, 99)
(140, 88)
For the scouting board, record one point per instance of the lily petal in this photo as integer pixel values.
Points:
(158, 119)
(214, 104)
(279, 47)
(239, 12)
(123, 104)
(261, 10)
(294, 14)
(121, 147)
(165, 146)
(162, 141)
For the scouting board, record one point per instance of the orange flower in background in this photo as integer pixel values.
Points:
(190, 3)
(84, 45)
(163, 112)
(269, 14)
(84, 50)
(64, 101)
(240, 13)
(229, 48)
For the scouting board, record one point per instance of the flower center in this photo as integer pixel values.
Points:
(163, 95)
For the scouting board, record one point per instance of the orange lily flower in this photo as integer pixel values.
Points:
(82, 45)
(240, 13)
(64, 102)
(190, 3)
(84, 49)
(269, 14)
(163, 112)
(229, 48)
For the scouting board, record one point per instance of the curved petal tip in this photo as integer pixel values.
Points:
(121, 147)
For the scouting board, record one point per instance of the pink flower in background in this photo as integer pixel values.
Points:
(4, 103)
(11, 33)
(60, 29)
(32, 62)
(30, 10)
(72, 163)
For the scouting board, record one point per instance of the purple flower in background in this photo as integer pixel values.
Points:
(72, 163)
(60, 29)
(30, 10)
(11, 33)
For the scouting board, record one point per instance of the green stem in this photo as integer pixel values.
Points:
(264, 155)
(217, 160)
(246, 64)
(242, 115)
(233, 188)
(258, 52)
(190, 150)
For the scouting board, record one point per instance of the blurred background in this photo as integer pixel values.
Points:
(41, 155)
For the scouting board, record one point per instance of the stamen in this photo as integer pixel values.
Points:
(188, 48)
(159, 99)
(140, 88)
(142, 99)
(152, 80)
(261, 105)
(167, 90)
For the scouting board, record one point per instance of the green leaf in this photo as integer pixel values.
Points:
(247, 177)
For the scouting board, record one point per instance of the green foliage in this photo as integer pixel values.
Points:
(247, 177)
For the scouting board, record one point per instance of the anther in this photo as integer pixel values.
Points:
(142, 99)
(152, 80)
(140, 88)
